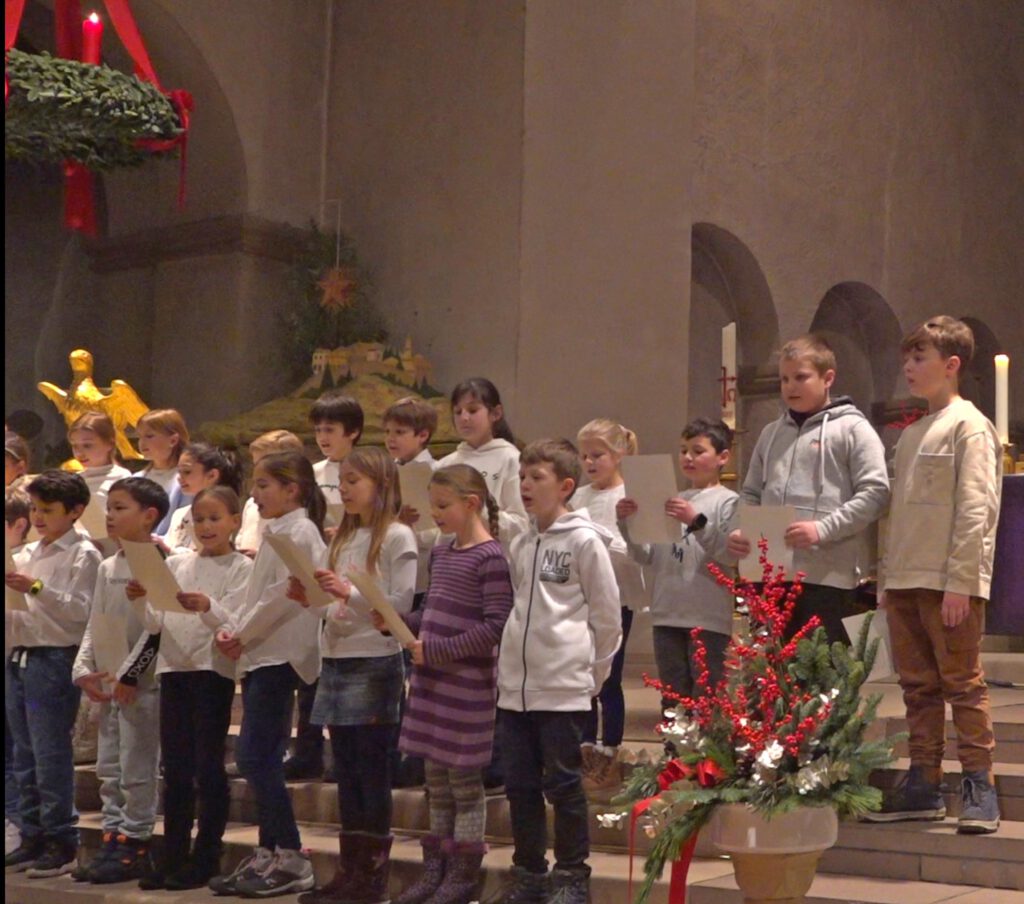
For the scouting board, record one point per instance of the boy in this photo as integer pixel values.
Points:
(338, 424)
(57, 573)
(15, 459)
(556, 652)
(936, 577)
(825, 459)
(686, 596)
(17, 506)
(129, 744)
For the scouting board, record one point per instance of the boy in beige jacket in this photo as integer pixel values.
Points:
(936, 577)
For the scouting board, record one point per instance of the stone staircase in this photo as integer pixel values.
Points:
(903, 863)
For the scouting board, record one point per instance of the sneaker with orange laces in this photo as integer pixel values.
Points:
(130, 860)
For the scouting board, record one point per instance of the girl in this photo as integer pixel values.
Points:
(488, 445)
(363, 674)
(94, 444)
(603, 444)
(277, 645)
(197, 688)
(450, 715)
(162, 436)
(200, 467)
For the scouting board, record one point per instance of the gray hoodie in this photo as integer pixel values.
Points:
(566, 621)
(832, 469)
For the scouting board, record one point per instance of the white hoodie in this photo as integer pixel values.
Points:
(566, 622)
(498, 461)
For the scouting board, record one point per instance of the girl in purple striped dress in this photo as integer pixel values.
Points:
(449, 720)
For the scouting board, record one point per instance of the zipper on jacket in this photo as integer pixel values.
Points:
(529, 609)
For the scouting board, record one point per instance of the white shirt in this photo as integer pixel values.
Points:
(186, 638)
(57, 616)
(328, 478)
(181, 535)
(166, 477)
(285, 631)
(600, 505)
(250, 534)
(353, 634)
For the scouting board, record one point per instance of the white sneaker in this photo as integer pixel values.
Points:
(12, 837)
(290, 872)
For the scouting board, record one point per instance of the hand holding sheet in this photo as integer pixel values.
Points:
(149, 569)
(414, 482)
(367, 586)
(651, 482)
(770, 522)
(299, 566)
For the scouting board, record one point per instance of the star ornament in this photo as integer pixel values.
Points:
(337, 289)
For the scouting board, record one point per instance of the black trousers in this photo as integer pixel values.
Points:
(363, 763)
(541, 757)
(195, 714)
(830, 604)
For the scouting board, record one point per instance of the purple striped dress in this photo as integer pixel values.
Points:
(449, 718)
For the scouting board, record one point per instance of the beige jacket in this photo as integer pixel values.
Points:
(945, 503)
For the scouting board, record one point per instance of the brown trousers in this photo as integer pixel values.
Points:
(939, 665)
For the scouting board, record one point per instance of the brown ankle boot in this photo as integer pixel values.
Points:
(338, 890)
(372, 868)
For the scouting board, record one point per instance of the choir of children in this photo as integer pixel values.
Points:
(525, 584)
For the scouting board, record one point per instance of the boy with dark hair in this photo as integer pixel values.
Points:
(57, 574)
(129, 744)
(685, 594)
(824, 458)
(936, 577)
(337, 423)
(556, 651)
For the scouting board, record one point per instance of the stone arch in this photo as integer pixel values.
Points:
(727, 284)
(865, 334)
(978, 380)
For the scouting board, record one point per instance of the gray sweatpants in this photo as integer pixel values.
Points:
(127, 764)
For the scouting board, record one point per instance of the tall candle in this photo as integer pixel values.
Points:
(92, 37)
(728, 378)
(1003, 397)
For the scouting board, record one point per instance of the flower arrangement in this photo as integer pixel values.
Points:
(784, 728)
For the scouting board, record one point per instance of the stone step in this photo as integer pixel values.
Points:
(710, 879)
(930, 851)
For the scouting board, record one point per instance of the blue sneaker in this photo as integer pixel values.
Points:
(980, 812)
(912, 798)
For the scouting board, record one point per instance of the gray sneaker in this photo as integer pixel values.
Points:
(521, 887)
(979, 814)
(289, 872)
(251, 867)
(912, 798)
(569, 886)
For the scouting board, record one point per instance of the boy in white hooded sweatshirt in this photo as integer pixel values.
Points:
(556, 652)
(823, 457)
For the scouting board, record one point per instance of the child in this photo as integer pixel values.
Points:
(685, 595)
(362, 679)
(337, 423)
(94, 443)
(488, 445)
(200, 467)
(450, 717)
(17, 506)
(824, 458)
(936, 578)
(251, 532)
(129, 743)
(556, 652)
(58, 573)
(603, 444)
(197, 687)
(277, 644)
(162, 435)
(15, 460)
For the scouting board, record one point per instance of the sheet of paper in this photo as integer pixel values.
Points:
(335, 512)
(13, 600)
(109, 641)
(413, 480)
(368, 587)
(94, 518)
(883, 666)
(149, 569)
(299, 566)
(770, 522)
(651, 482)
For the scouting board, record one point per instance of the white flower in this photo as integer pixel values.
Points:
(610, 820)
(770, 756)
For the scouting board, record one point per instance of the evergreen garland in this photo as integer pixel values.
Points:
(61, 110)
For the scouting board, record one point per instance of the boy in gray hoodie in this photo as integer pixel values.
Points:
(556, 652)
(823, 457)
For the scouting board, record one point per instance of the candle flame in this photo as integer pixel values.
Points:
(94, 18)
(1002, 359)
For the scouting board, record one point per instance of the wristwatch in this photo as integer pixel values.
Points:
(37, 587)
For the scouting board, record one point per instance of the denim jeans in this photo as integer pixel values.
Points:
(10, 782)
(267, 697)
(541, 756)
(127, 763)
(41, 703)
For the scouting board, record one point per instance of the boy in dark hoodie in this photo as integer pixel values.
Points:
(823, 457)
(556, 652)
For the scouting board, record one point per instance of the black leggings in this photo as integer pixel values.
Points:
(363, 764)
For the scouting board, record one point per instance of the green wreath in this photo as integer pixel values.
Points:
(61, 110)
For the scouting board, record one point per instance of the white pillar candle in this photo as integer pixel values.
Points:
(728, 378)
(1003, 397)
